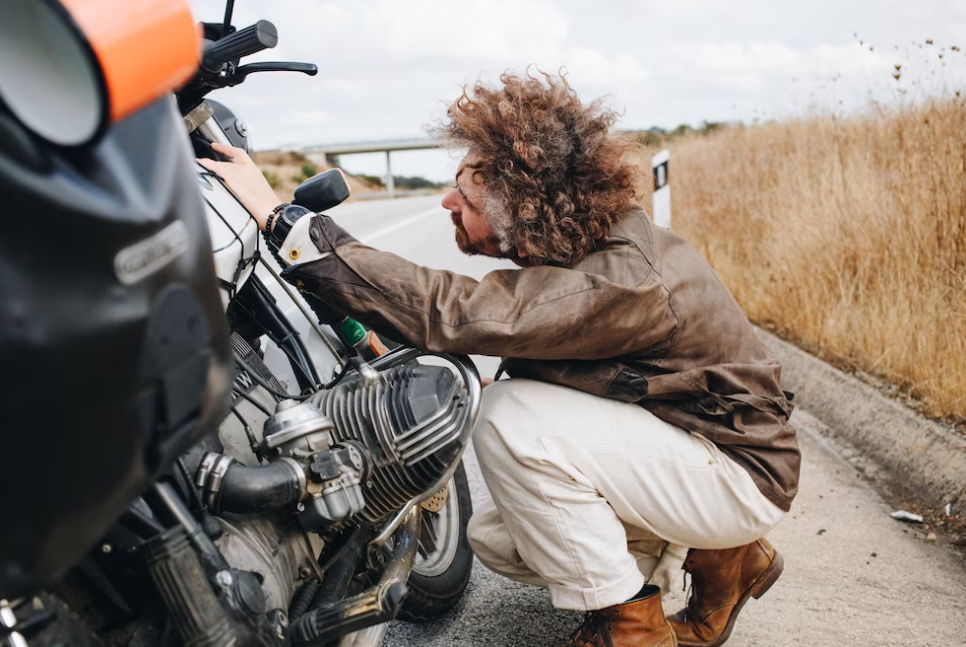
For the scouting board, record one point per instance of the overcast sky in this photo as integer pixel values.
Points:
(388, 67)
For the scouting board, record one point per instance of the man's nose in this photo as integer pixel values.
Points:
(450, 201)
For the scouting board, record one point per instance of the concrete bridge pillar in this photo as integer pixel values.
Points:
(390, 183)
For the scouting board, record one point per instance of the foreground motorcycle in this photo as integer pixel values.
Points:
(190, 457)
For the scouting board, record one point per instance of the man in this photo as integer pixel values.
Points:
(641, 407)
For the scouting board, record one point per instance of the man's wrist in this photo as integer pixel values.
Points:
(270, 221)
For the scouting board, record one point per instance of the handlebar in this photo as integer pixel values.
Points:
(255, 38)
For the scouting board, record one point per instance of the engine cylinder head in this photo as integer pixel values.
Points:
(411, 419)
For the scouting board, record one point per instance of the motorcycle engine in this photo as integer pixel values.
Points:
(410, 420)
(362, 449)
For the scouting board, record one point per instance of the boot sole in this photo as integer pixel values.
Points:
(756, 590)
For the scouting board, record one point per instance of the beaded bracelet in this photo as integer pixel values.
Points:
(271, 217)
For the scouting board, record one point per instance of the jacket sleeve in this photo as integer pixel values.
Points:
(533, 313)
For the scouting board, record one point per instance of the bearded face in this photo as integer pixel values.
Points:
(474, 234)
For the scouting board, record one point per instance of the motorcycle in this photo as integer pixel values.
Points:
(221, 468)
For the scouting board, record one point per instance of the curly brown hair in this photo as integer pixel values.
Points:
(555, 178)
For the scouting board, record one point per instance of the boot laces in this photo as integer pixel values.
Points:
(687, 585)
(594, 631)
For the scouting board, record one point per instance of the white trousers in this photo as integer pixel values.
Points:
(587, 492)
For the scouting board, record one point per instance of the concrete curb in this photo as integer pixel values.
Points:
(922, 455)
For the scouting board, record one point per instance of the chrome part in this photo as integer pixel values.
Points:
(211, 131)
(210, 476)
(297, 428)
(439, 535)
(8, 621)
(223, 579)
(198, 116)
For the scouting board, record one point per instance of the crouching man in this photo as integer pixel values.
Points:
(642, 410)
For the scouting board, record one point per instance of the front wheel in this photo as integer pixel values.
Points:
(443, 559)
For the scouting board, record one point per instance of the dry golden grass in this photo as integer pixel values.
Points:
(847, 235)
(287, 172)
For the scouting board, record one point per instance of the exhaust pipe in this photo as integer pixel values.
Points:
(376, 606)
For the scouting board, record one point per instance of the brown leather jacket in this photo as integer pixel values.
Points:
(644, 319)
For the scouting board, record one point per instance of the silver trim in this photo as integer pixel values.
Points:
(297, 300)
(211, 131)
(137, 262)
(198, 116)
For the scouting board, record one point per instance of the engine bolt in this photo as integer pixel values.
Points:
(106, 548)
(304, 572)
(224, 579)
(300, 507)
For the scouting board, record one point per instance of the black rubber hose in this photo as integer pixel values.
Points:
(340, 569)
(264, 488)
(302, 600)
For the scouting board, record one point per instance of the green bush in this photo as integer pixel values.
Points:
(273, 179)
(309, 170)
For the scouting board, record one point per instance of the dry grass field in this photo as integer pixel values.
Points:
(846, 235)
(285, 171)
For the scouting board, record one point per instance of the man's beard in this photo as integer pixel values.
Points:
(463, 238)
(469, 248)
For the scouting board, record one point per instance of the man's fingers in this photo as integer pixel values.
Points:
(225, 149)
(236, 155)
(211, 165)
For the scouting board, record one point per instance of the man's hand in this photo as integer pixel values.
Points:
(245, 180)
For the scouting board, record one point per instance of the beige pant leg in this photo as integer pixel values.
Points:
(576, 478)
(494, 547)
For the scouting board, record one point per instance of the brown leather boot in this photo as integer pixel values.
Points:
(638, 623)
(721, 582)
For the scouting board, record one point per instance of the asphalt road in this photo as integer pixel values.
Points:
(853, 575)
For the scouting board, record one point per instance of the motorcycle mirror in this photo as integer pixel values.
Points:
(323, 191)
(67, 67)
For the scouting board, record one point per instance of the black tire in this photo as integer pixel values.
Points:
(431, 597)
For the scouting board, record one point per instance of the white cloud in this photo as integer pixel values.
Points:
(469, 29)
(386, 65)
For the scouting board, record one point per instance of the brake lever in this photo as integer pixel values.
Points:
(242, 72)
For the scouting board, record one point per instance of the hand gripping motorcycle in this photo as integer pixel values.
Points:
(193, 453)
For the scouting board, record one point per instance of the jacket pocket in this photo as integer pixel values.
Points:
(626, 386)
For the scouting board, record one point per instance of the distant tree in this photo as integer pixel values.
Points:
(374, 179)
(415, 182)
